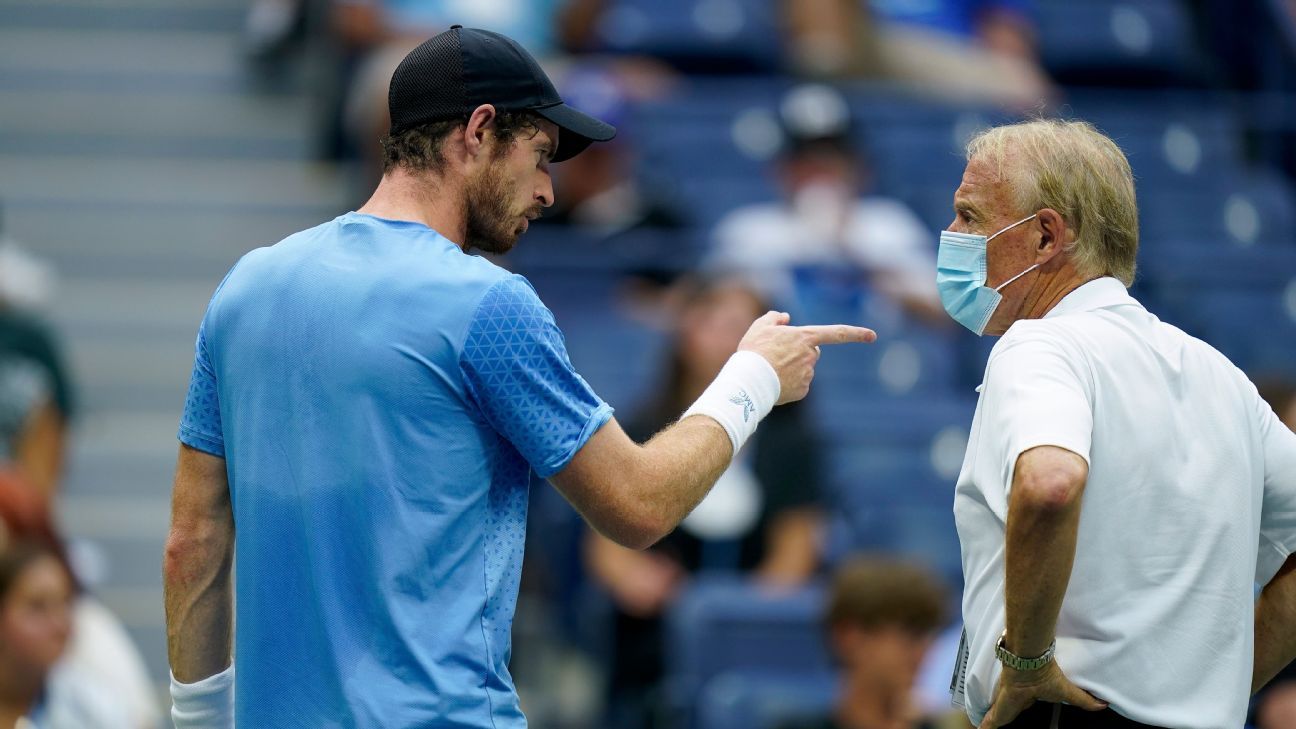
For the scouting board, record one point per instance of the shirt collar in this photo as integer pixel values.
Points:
(1097, 294)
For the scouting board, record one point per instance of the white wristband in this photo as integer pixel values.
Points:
(205, 704)
(742, 394)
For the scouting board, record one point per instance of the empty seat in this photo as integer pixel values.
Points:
(706, 36)
(723, 624)
(1118, 42)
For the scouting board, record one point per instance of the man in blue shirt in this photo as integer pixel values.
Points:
(367, 404)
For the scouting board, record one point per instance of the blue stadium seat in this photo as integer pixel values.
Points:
(723, 624)
(1241, 300)
(705, 36)
(749, 699)
(618, 356)
(1118, 42)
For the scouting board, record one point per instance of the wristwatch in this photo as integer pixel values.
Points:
(1018, 663)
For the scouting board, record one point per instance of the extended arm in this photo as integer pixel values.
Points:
(196, 568)
(636, 494)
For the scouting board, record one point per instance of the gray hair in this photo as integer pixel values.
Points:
(1078, 171)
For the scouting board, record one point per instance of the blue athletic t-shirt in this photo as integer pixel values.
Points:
(380, 398)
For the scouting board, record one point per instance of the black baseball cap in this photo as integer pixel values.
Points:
(453, 73)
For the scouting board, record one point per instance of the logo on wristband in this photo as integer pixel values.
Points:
(743, 399)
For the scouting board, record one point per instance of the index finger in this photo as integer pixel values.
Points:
(839, 334)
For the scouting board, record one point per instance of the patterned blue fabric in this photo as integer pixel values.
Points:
(200, 424)
(382, 400)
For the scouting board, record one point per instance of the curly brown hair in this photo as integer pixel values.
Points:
(418, 149)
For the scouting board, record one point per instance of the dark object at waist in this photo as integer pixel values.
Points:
(1040, 716)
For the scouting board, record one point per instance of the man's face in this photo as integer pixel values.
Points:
(511, 190)
(886, 656)
(984, 205)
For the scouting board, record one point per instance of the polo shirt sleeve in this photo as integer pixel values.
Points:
(1038, 393)
(200, 424)
(515, 368)
(1278, 510)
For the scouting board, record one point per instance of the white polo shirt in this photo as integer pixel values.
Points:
(1189, 471)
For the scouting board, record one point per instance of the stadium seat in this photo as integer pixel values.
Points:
(1241, 300)
(762, 699)
(1118, 42)
(704, 36)
(724, 624)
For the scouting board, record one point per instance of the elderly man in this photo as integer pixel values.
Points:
(1120, 474)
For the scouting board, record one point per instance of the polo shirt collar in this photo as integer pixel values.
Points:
(1097, 294)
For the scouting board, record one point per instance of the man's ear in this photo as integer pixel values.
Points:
(1055, 236)
(474, 137)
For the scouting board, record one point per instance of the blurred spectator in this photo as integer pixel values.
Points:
(35, 390)
(32, 424)
(377, 34)
(1278, 708)
(1280, 393)
(101, 662)
(36, 594)
(969, 51)
(824, 223)
(882, 617)
(761, 518)
(596, 192)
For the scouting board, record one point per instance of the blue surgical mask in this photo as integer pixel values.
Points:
(961, 276)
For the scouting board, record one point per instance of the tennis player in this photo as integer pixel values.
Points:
(367, 405)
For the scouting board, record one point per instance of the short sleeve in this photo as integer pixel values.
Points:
(200, 425)
(516, 370)
(1038, 393)
(1278, 511)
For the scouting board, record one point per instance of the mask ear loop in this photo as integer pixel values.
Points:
(1001, 286)
(1014, 225)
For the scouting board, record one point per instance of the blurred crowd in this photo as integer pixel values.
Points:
(830, 241)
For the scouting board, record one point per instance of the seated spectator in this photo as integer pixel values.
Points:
(36, 595)
(760, 518)
(1278, 708)
(823, 221)
(101, 659)
(32, 425)
(377, 34)
(1280, 393)
(596, 192)
(963, 51)
(882, 617)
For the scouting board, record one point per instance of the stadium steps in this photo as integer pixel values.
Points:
(141, 157)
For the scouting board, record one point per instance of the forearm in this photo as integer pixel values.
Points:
(792, 551)
(199, 601)
(1275, 626)
(662, 481)
(1040, 545)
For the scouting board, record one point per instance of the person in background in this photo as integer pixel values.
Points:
(35, 416)
(101, 656)
(36, 598)
(881, 619)
(596, 192)
(823, 221)
(377, 34)
(761, 518)
(965, 51)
